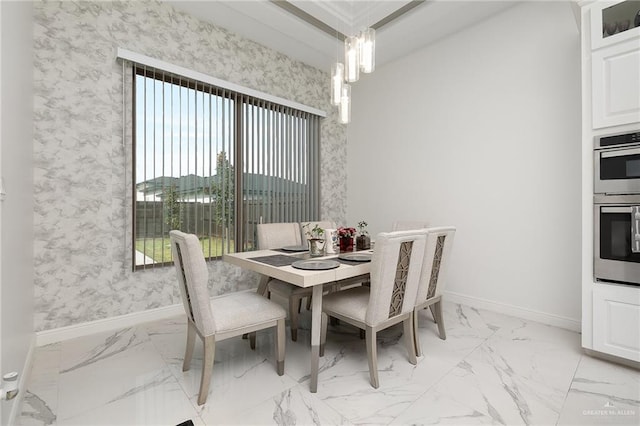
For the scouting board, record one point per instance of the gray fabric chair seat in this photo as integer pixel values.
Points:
(236, 311)
(351, 303)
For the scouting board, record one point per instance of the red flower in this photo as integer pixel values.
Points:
(344, 232)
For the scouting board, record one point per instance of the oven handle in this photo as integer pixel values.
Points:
(616, 209)
(635, 229)
(620, 152)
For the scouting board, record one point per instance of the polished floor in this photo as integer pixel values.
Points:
(491, 369)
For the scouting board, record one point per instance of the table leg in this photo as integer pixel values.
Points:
(262, 285)
(316, 320)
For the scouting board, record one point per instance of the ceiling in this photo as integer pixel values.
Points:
(273, 26)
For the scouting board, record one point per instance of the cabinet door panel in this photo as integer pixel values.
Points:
(616, 85)
(616, 315)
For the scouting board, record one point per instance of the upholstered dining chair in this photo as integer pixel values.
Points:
(395, 275)
(218, 318)
(407, 225)
(277, 235)
(433, 278)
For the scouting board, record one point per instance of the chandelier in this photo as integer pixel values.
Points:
(359, 56)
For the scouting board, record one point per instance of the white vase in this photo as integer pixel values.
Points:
(331, 246)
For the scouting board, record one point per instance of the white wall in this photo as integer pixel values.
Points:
(16, 152)
(482, 131)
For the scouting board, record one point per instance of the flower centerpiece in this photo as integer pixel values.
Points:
(345, 235)
(315, 237)
(363, 241)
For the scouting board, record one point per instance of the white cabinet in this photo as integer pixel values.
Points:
(613, 22)
(616, 316)
(611, 105)
(615, 77)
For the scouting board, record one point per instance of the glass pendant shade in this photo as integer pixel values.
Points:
(345, 104)
(367, 47)
(351, 59)
(337, 80)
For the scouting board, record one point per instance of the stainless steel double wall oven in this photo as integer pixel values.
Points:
(616, 208)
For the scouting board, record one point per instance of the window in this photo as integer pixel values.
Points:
(215, 162)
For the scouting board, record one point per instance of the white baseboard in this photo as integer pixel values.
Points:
(515, 311)
(16, 404)
(108, 324)
(114, 323)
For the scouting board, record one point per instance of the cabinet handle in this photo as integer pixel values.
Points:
(635, 229)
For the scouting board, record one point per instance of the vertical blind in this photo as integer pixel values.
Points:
(215, 162)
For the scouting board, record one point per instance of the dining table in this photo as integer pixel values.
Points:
(277, 263)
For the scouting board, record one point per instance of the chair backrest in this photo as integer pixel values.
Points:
(324, 224)
(276, 235)
(193, 276)
(395, 274)
(436, 261)
(407, 225)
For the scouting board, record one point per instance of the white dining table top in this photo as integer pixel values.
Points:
(298, 277)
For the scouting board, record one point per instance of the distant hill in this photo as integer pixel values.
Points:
(190, 186)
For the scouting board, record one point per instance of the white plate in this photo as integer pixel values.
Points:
(315, 265)
(295, 248)
(356, 257)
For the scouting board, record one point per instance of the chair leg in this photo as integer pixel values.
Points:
(191, 341)
(308, 302)
(280, 346)
(293, 317)
(437, 307)
(432, 308)
(323, 332)
(372, 356)
(207, 368)
(410, 338)
(252, 340)
(416, 339)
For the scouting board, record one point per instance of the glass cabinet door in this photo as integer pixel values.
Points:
(614, 21)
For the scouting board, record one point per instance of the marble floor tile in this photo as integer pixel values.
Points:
(602, 393)
(238, 388)
(95, 372)
(41, 400)
(157, 400)
(519, 375)
(293, 406)
(491, 369)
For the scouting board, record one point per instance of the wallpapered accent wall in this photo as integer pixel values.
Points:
(82, 170)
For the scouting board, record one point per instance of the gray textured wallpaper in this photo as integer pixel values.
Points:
(82, 170)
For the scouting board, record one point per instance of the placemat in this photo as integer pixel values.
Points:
(276, 259)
